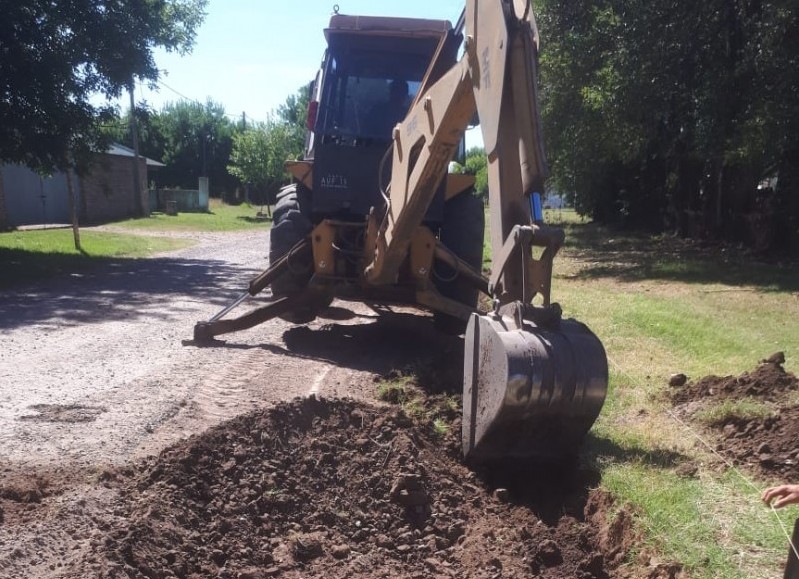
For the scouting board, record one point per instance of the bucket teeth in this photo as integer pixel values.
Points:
(530, 391)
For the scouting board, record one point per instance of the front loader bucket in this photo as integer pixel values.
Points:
(530, 391)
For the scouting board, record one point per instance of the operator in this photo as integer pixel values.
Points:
(786, 495)
(384, 116)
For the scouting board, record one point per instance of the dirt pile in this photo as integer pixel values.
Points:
(767, 442)
(768, 381)
(319, 488)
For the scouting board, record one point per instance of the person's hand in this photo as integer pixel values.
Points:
(785, 495)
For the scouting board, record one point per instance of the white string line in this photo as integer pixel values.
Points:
(732, 467)
(724, 459)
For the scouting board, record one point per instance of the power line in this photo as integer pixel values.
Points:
(181, 95)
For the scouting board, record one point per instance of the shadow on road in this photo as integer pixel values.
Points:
(123, 289)
(382, 343)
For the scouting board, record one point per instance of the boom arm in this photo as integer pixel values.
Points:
(495, 77)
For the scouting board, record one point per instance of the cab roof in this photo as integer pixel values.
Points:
(384, 25)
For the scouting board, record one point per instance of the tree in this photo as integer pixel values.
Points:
(192, 139)
(295, 110)
(259, 154)
(197, 141)
(667, 115)
(58, 53)
(294, 114)
(477, 164)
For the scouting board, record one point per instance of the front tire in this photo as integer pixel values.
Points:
(292, 225)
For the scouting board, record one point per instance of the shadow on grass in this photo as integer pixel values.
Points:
(59, 290)
(599, 449)
(249, 219)
(630, 258)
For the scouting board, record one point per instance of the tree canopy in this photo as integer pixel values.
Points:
(259, 153)
(191, 139)
(56, 54)
(476, 164)
(676, 115)
(258, 157)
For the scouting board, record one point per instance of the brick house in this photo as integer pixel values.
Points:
(106, 193)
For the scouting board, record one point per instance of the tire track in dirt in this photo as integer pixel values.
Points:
(234, 380)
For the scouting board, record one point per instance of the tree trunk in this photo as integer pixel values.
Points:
(73, 209)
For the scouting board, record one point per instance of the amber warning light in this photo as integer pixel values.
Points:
(313, 108)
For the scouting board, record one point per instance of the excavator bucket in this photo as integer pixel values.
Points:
(530, 390)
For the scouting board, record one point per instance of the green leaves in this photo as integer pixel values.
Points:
(259, 153)
(56, 54)
(661, 113)
(477, 164)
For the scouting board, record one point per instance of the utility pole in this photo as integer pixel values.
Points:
(205, 161)
(138, 204)
(243, 121)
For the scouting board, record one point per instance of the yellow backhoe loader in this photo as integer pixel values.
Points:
(373, 215)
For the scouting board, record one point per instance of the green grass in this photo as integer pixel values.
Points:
(32, 255)
(561, 217)
(663, 306)
(403, 389)
(715, 523)
(220, 217)
(746, 409)
(395, 391)
(400, 389)
(441, 426)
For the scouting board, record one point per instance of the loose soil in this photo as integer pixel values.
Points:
(336, 488)
(768, 445)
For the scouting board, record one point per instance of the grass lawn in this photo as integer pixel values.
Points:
(663, 306)
(220, 217)
(31, 255)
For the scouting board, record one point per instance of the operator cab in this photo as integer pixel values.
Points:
(372, 71)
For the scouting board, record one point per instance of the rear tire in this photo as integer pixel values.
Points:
(292, 225)
(462, 233)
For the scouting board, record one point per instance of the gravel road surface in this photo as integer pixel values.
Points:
(97, 370)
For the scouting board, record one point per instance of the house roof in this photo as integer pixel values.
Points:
(123, 151)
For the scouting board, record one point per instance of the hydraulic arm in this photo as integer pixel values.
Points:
(533, 383)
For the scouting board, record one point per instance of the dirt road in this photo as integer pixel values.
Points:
(95, 373)
(93, 368)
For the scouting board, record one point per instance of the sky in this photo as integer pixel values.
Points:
(250, 55)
